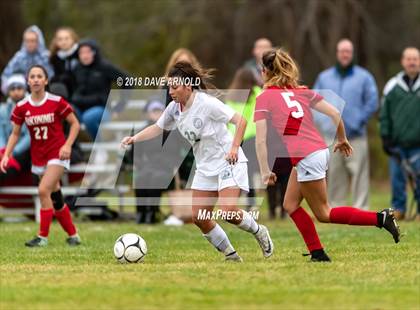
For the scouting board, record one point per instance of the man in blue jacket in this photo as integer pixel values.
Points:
(357, 87)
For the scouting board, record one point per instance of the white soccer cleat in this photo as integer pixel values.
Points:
(233, 257)
(264, 240)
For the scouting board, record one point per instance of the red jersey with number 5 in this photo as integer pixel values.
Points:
(289, 110)
(44, 121)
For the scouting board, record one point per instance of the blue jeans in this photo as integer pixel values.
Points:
(398, 185)
(399, 178)
(92, 118)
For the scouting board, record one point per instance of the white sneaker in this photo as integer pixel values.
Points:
(172, 220)
(264, 240)
(233, 257)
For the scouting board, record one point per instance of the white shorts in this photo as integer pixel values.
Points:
(313, 167)
(231, 176)
(40, 170)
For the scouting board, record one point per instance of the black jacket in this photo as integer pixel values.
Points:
(63, 71)
(94, 82)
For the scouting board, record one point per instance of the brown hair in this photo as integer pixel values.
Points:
(176, 55)
(53, 46)
(188, 71)
(280, 69)
(244, 79)
(40, 67)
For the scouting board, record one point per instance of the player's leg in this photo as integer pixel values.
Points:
(46, 186)
(242, 219)
(302, 220)
(315, 193)
(231, 181)
(63, 216)
(202, 207)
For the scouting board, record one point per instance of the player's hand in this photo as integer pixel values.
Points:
(65, 152)
(269, 178)
(126, 141)
(4, 163)
(343, 147)
(232, 156)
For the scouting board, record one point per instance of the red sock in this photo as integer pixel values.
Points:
(45, 223)
(307, 229)
(64, 218)
(353, 216)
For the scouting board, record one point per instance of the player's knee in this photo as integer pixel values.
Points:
(200, 223)
(229, 208)
(323, 216)
(196, 218)
(290, 207)
(44, 191)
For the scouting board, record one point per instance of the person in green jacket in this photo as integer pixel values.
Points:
(244, 81)
(400, 128)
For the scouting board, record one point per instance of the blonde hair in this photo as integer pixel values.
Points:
(280, 69)
(176, 55)
(53, 46)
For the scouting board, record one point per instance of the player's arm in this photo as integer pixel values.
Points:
(261, 146)
(11, 143)
(148, 133)
(240, 124)
(65, 150)
(342, 144)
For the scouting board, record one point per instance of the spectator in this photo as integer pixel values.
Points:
(32, 52)
(261, 45)
(64, 58)
(400, 128)
(357, 87)
(244, 80)
(279, 159)
(184, 148)
(181, 55)
(93, 80)
(151, 167)
(16, 91)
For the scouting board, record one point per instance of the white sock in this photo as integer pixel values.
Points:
(218, 238)
(248, 223)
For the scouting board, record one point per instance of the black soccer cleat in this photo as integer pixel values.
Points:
(73, 241)
(37, 242)
(387, 220)
(319, 256)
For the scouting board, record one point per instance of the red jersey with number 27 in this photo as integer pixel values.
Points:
(44, 121)
(289, 110)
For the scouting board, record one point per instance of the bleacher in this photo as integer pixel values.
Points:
(112, 132)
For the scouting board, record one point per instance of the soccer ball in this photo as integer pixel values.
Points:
(130, 248)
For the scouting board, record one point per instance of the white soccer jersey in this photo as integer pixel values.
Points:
(204, 125)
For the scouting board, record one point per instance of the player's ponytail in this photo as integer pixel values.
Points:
(199, 77)
(280, 69)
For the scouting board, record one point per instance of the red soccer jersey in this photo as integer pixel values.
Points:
(44, 121)
(290, 113)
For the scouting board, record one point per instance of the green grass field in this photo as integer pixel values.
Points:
(182, 270)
